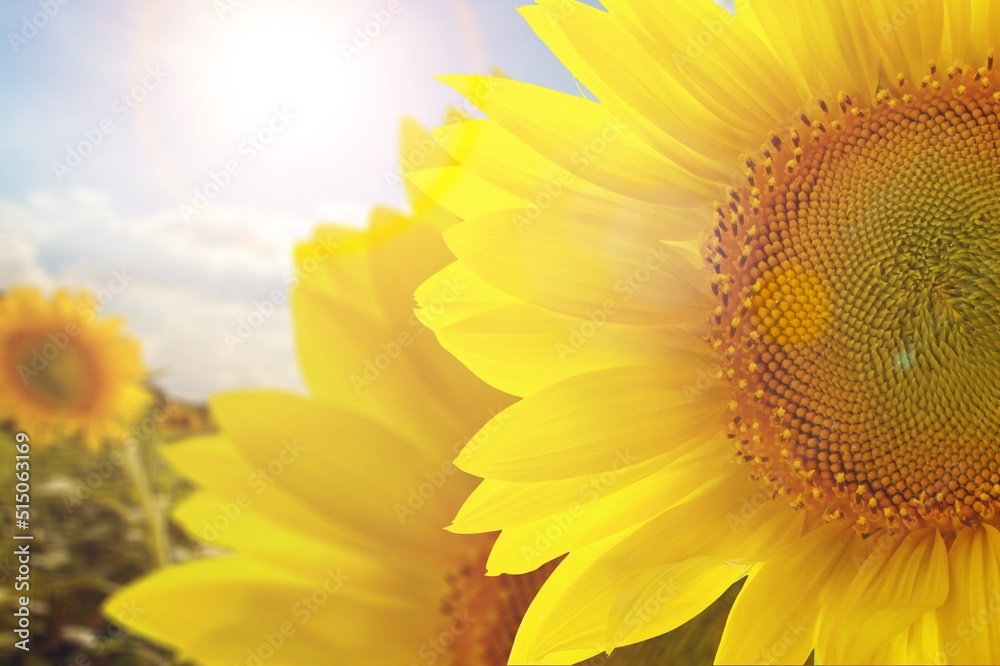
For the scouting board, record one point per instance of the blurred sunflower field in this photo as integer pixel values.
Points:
(473, 333)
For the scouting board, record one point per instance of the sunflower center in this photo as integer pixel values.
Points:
(860, 307)
(55, 372)
(481, 614)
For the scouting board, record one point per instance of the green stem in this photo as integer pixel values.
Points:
(150, 510)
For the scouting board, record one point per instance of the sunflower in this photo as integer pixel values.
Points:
(65, 373)
(330, 506)
(746, 287)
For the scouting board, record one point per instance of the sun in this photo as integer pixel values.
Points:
(267, 56)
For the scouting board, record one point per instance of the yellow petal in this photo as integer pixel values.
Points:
(578, 264)
(465, 193)
(201, 608)
(299, 443)
(619, 71)
(920, 643)
(612, 592)
(717, 58)
(825, 45)
(774, 619)
(584, 139)
(418, 149)
(553, 347)
(889, 586)
(972, 32)
(496, 504)
(646, 412)
(970, 618)
(910, 38)
(604, 507)
(660, 599)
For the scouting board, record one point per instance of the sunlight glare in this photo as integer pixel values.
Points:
(270, 58)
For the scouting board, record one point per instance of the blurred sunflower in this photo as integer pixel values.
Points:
(809, 400)
(65, 373)
(332, 504)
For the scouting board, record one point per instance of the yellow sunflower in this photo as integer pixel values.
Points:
(64, 372)
(809, 397)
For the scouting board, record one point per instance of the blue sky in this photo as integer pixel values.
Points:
(119, 114)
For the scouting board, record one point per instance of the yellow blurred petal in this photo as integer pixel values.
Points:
(201, 608)
(361, 346)
(214, 464)
(463, 192)
(418, 149)
(302, 444)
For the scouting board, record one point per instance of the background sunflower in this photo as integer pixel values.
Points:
(63, 372)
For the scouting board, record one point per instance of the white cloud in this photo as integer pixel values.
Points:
(188, 285)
